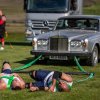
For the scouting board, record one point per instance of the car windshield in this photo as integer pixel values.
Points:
(82, 23)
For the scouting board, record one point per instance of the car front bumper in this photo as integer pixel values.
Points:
(56, 53)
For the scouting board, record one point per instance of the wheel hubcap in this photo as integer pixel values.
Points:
(95, 57)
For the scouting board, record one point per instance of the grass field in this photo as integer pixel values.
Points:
(17, 51)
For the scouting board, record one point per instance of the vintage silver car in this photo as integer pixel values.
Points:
(77, 35)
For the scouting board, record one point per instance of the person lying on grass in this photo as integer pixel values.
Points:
(9, 79)
(50, 81)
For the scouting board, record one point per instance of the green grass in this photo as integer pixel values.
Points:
(92, 10)
(17, 51)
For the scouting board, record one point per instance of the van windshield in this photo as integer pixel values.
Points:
(47, 5)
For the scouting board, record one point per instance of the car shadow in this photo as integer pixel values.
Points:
(66, 63)
(18, 43)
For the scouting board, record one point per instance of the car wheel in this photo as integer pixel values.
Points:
(93, 60)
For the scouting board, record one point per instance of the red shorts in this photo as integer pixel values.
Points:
(1, 39)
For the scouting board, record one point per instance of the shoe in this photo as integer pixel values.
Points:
(2, 48)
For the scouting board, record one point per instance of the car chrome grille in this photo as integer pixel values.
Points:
(39, 24)
(59, 44)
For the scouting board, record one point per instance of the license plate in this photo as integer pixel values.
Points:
(58, 57)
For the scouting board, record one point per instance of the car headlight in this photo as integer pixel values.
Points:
(34, 43)
(75, 43)
(42, 42)
(30, 23)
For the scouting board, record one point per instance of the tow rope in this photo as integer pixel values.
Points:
(91, 75)
(27, 65)
(78, 65)
(82, 71)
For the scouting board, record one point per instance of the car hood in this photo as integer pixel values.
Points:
(71, 34)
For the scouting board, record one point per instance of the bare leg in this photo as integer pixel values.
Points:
(66, 77)
(32, 74)
(3, 44)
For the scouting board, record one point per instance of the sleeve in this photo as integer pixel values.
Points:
(1, 22)
(57, 75)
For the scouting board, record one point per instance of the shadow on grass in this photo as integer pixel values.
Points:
(51, 62)
(18, 43)
(25, 61)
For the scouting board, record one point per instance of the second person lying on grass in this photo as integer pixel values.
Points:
(50, 81)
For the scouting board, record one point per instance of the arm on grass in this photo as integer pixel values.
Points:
(21, 80)
(57, 75)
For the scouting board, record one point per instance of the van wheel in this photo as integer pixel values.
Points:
(93, 60)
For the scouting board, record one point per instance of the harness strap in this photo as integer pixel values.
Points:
(11, 78)
(91, 75)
